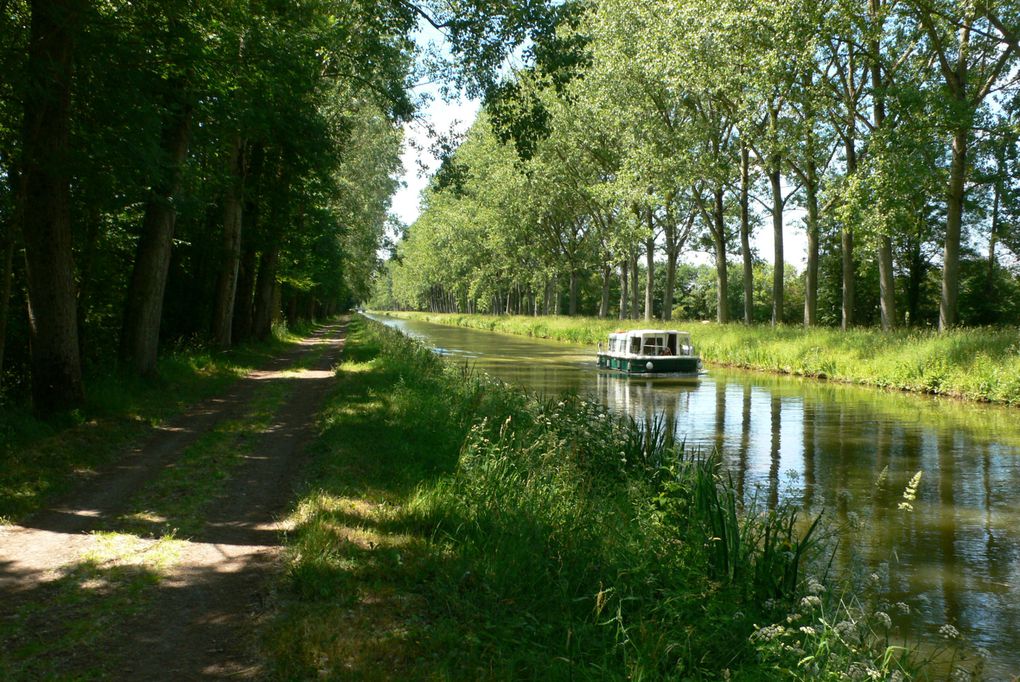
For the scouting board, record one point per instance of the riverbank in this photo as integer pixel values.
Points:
(976, 364)
(459, 529)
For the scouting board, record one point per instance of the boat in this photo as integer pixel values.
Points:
(647, 352)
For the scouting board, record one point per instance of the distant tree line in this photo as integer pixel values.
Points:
(173, 170)
(642, 130)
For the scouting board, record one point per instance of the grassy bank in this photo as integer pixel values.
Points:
(41, 458)
(458, 529)
(977, 364)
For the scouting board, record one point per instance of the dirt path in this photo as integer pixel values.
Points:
(196, 619)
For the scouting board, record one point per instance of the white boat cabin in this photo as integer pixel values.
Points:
(650, 343)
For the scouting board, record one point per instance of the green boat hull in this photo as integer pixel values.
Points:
(663, 364)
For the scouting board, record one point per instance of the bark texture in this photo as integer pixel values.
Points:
(53, 319)
(143, 309)
(226, 285)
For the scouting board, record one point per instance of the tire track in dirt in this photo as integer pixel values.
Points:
(200, 620)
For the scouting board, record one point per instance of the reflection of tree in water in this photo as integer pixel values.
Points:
(745, 441)
(776, 415)
(947, 528)
(809, 422)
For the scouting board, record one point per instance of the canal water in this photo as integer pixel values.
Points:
(954, 558)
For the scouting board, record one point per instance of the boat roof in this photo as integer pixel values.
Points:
(646, 332)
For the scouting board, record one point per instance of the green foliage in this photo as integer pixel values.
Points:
(490, 534)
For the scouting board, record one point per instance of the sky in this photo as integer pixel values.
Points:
(458, 114)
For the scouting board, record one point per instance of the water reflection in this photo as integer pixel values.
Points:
(955, 558)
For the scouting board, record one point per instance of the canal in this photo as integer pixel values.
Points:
(949, 556)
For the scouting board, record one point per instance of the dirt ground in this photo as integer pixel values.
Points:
(199, 616)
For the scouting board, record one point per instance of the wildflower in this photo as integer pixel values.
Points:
(874, 578)
(902, 608)
(792, 618)
(862, 671)
(814, 587)
(769, 632)
(808, 630)
(896, 676)
(846, 630)
(949, 632)
(883, 619)
(810, 602)
(910, 492)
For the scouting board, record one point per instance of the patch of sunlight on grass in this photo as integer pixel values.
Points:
(123, 549)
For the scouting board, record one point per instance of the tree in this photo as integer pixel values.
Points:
(56, 364)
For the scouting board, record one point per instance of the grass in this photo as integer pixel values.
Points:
(66, 629)
(461, 530)
(39, 459)
(980, 363)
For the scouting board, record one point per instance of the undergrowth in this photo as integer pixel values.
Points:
(460, 529)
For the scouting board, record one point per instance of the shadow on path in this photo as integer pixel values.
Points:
(64, 611)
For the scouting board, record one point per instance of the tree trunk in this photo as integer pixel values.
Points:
(574, 281)
(635, 303)
(649, 273)
(672, 255)
(886, 276)
(993, 232)
(56, 363)
(86, 261)
(954, 220)
(745, 234)
(915, 277)
(9, 246)
(244, 300)
(847, 246)
(811, 272)
(624, 293)
(778, 270)
(607, 272)
(143, 307)
(556, 294)
(265, 289)
(722, 314)
(6, 279)
(230, 257)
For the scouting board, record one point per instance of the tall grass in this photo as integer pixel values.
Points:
(459, 529)
(980, 363)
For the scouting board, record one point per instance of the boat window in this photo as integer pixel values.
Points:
(652, 345)
(671, 344)
(635, 345)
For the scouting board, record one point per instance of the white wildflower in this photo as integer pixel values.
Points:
(883, 619)
(846, 630)
(902, 608)
(810, 602)
(808, 630)
(769, 632)
(949, 632)
(814, 587)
